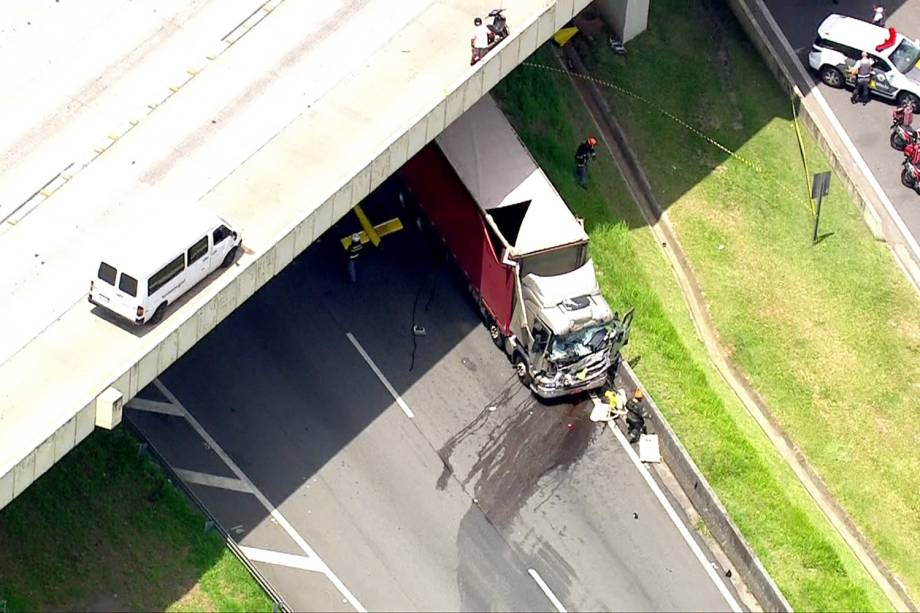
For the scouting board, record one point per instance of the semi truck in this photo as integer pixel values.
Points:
(522, 251)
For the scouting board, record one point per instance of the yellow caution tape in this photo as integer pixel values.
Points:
(693, 130)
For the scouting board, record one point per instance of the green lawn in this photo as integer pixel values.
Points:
(103, 529)
(810, 563)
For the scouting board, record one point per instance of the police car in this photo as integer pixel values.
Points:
(840, 43)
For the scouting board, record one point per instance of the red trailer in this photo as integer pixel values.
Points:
(522, 250)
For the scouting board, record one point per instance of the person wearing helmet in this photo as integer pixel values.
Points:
(479, 41)
(583, 155)
(635, 416)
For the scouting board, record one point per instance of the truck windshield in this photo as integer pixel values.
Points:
(905, 56)
(578, 344)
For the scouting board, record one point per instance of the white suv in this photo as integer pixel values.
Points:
(841, 41)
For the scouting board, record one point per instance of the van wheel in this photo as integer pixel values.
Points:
(228, 259)
(831, 76)
(158, 314)
(520, 368)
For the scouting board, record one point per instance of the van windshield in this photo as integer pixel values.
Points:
(905, 56)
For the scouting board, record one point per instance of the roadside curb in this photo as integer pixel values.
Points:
(685, 471)
(877, 210)
(707, 504)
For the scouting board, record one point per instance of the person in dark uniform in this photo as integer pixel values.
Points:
(583, 155)
(635, 417)
(353, 250)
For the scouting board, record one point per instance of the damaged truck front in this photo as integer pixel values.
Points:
(523, 252)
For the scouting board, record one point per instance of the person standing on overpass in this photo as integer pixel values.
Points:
(479, 41)
(583, 155)
(863, 72)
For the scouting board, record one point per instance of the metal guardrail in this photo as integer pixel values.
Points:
(211, 522)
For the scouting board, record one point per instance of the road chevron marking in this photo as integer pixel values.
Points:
(155, 406)
(272, 511)
(225, 483)
(282, 559)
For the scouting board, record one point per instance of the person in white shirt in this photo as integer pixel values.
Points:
(878, 15)
(479, 40)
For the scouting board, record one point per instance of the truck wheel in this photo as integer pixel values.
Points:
(158, 314)
(520, 368)
(497, 337)
(906, 179)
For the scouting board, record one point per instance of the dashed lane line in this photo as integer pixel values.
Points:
(549, 593)
(275, 513)
(399, 401)
(111, 137)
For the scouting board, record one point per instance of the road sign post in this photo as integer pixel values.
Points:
(820, 183)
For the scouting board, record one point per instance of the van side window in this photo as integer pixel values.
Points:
(166, 274)
(198, 250)
(221, 233)
(107, 273)
(128, 284)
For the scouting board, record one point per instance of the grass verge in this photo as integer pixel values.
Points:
(810, 563)
(828, 334)
(104, 529)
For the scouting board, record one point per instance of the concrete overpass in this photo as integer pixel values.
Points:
(281, 121)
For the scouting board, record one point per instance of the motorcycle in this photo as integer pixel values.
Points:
(902, 133)
(498, 29)
(910, 175)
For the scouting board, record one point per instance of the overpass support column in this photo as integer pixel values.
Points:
(628, 18)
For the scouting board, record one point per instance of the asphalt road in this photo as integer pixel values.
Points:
(867, 126)
(455, 508)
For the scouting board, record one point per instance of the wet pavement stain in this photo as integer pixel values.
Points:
(529, 448)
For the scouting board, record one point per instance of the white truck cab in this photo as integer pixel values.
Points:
(840, 43)
(156, 262)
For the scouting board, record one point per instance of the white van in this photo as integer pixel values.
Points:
(162, 261)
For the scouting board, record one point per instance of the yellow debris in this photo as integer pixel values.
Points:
(564, 35)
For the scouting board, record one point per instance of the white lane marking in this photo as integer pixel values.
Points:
(281, 559)
(275, 513)
(154, 406)
(549, 593)
(224, 483)
(402, 403)
(684, 532)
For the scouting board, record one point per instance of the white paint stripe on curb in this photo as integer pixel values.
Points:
(275, 513)
(281, 559)
(224, 483)
(675, 518)
(154, 406)
(549, 593)
(402, 403)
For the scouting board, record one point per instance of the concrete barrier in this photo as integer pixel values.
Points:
(707, 504)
